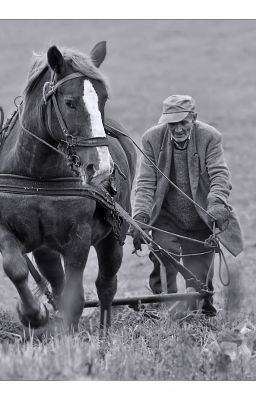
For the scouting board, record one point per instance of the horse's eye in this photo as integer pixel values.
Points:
(70, 103)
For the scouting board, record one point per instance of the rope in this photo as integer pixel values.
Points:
(188, 275)
(218, 250)
(170, 233)
(185, 255)
(222, 257)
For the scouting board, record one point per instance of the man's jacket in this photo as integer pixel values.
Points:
(208, 174)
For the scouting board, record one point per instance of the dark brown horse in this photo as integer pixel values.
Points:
(55, 149)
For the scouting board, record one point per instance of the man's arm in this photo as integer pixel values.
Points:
(219, 176)
(220, 184)
(146, 181)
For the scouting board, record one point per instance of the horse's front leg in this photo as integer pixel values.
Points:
(110, 255)
(75, 258)
(31, 312)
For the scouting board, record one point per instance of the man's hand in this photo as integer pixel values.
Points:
(137, 236)
(220, 213)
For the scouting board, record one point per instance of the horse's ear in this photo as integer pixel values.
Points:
(55, 59)
(98, 53)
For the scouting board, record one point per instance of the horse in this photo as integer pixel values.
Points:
(59, 172)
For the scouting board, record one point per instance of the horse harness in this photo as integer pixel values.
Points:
(14, 184)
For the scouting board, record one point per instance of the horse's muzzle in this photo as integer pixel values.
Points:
(91, 176)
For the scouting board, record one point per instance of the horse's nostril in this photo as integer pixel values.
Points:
(90, 170)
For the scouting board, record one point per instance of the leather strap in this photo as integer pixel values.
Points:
(71, 140)
(54, 87)
(85, 142)
(63, 187)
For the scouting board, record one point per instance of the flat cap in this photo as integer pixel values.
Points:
(176, 108)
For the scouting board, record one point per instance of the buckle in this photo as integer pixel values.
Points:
(71, 141)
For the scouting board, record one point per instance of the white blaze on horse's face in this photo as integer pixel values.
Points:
(105, 162)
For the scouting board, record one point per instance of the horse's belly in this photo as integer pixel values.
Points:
(37, 220)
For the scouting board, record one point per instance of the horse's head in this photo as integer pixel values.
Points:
(74, 98)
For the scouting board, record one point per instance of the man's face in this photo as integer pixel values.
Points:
(181, 130)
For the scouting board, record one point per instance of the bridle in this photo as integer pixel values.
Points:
(69, 141)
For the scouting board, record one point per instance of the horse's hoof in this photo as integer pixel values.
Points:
(34, 321)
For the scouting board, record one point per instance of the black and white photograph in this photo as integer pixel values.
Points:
(127, 199)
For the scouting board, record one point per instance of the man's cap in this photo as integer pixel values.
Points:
(176, 108)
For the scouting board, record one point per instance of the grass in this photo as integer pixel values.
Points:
(147, 61)
(150, 344)
(139, 348)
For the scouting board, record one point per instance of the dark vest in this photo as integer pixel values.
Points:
(177, 211)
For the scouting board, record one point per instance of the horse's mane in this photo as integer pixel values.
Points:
(79, 61)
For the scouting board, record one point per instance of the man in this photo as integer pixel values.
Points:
(189, 152)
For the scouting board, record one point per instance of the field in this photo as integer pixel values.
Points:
(147, 61)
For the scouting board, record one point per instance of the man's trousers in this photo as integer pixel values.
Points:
(198, 264)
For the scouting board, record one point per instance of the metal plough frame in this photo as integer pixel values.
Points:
(135, 302)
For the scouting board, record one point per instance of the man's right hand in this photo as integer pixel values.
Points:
(138, 239)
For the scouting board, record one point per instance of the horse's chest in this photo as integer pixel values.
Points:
(55, 222)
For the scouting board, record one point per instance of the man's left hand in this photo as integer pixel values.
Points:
(220, 213)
